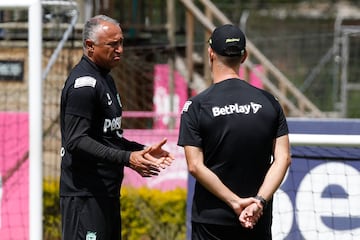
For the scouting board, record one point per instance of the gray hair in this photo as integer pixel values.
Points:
(93, 25)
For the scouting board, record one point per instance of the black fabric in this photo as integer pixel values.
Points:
(94, 151)
(202, 231)
(79, 142)
(86, 217)
(235, 125)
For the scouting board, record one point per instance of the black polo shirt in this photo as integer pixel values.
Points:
(234, 124)
(94, 151)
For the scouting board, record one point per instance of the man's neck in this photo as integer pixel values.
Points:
(222, 74)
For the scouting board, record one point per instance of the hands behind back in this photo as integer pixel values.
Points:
(251, 214)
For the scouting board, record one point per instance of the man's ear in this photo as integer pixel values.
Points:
(211, 54)
(244, 56)
(89, 44)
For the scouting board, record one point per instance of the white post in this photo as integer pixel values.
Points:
(35, 121)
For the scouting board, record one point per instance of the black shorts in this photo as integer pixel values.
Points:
(202, 231)
(90, 218)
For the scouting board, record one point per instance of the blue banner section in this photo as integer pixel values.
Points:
(324, 126)
(319, 198)
(320, 195)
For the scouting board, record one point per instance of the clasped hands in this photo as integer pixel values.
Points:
(249, 211)
(150, 161)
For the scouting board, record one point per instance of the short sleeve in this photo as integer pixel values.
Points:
(282, 123)
(189, 125)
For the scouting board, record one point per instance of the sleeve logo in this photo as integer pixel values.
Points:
(85, 82)
(186, 106)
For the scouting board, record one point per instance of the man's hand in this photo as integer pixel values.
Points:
(143, 166)
(158, 155)
(241, 203)
(251, 214)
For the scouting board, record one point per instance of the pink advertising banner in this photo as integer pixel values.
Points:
(174, 176)
(14, 164)
(162, 96)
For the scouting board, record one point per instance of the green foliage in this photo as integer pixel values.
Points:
(147, 214)
(51, 205)
(153, 214)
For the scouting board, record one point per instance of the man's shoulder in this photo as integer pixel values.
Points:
(203, 94)
(83, 75)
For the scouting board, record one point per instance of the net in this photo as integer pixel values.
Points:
(317, 200)
(14, 137)
(318, 197)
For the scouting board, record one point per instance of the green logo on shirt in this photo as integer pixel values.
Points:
(91, 235)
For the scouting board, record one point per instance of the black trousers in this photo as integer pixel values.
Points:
(90, 218)
(202, 231)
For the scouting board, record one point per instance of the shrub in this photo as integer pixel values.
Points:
(153, 214)
(51, 211)
(147, 214)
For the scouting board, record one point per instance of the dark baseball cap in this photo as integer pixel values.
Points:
(228, 40)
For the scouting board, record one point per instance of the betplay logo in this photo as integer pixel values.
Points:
(236, 108)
